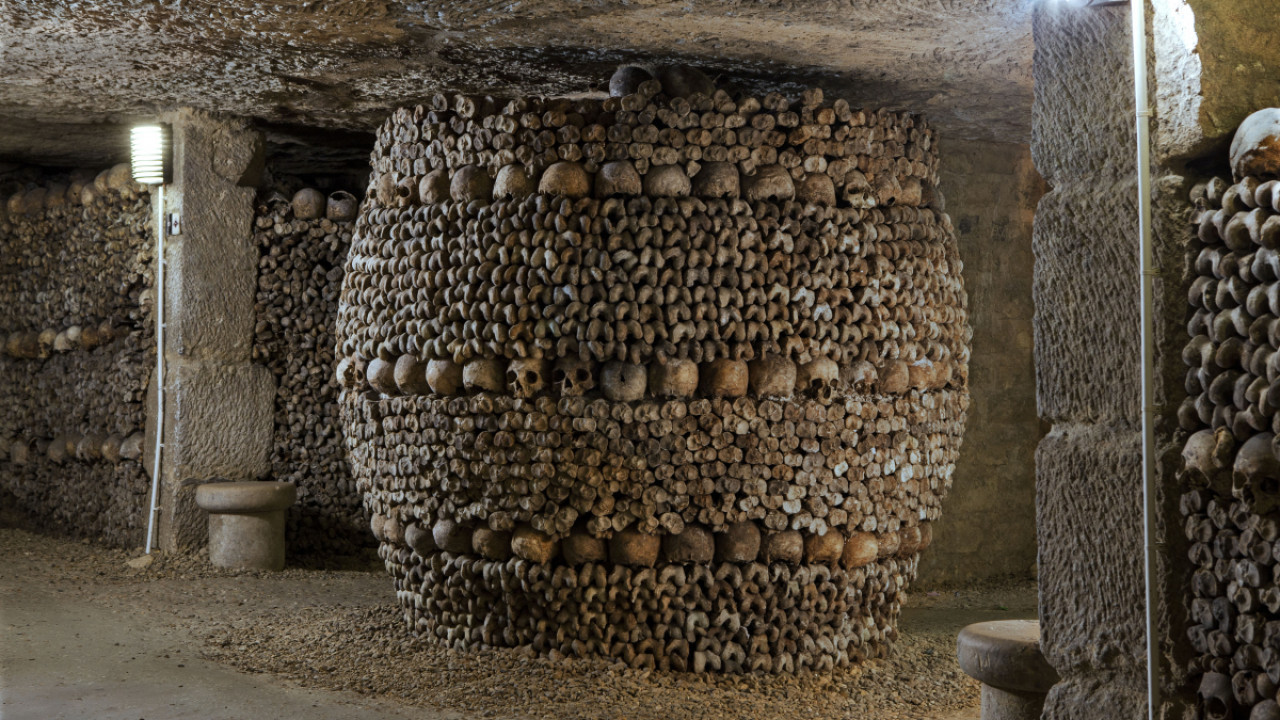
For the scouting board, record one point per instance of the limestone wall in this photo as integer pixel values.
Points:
(989, 529)
(76, 270)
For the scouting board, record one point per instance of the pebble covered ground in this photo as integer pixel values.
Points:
(339, 629)
(366, 650)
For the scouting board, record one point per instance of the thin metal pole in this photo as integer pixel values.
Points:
(159, 300)
(1149, 273)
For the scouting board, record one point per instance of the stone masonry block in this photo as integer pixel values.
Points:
(1086, 298)
(213, 263)
(1215, 63)
(1082, 119)
(1089, 505)
(989, 529)
(1109, 695)
(220, 421)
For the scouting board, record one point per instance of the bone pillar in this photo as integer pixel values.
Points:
(693, 422)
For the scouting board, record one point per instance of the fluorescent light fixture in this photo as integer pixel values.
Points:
(149, 154)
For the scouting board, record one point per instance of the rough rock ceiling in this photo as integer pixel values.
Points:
(77, 72)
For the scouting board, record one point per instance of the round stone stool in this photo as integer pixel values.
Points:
(246, 522)
(1004, 655)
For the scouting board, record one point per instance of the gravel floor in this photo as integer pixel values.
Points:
(339, 629)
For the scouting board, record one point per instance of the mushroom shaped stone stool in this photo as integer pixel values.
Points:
(1004, 655)
(246, 522)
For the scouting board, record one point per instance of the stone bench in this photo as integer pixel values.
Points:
(1004, 655)
(246, 522)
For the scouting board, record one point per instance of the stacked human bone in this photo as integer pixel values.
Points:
(673, 377)
(1231, 471)
(75, 283)
(304, 242)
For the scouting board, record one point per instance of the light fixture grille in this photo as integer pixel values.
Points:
(149, 150)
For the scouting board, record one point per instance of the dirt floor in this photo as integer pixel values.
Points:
(86, 635)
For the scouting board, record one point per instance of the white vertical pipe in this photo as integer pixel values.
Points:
(1147, 314)
(159, 301)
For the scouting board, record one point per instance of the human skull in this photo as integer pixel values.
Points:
(406, 192)
(381, 376)
(859, 375)
(433, 189)
(857, 190)
(623, 382)
(816, 189)
(818, 377)
(717, 179)
(573, 376)
(683, 81)
(675, 378)
(617, 178)
(1205, 458)
(771, 182)
(1255, 475)
(111, 448)
(894, 376)
(47, 337)
(342, 206)
(513, 181)
(527, 377)
(485, 374)
(886, 190)
(567, 179)
(307, 204)
(667, 181)
(626, 80)
(471, 183)
(444, 377)
(1255, 149)
(772, 376)
(411, 376)
(1216, 696)
(724, 377)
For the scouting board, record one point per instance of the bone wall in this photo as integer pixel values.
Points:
(640, 348)
(76, 270)
(304, 242)
(1231, 472)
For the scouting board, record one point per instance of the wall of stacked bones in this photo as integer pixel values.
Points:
(303, 237)
(1231, 473)
(76, 269)
(676, 377)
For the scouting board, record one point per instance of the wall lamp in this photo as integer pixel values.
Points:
(149, 154)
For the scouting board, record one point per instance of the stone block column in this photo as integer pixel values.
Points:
(1210, 68)
(1088, 467)
(218, 404)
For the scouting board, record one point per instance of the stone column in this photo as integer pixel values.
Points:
(218, 405)
(1212, 65)
(1088, 467)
